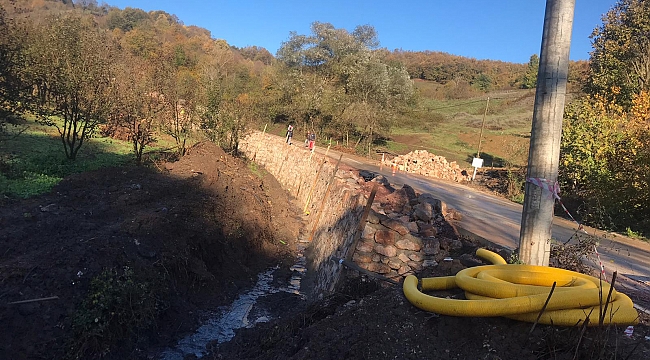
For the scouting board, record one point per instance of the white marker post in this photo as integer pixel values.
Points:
(476, 163)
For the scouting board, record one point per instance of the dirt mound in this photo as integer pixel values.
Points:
(192, 234)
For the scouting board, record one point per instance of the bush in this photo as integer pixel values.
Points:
(605, 162)
(118, 307)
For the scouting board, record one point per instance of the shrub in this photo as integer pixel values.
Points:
(118, 307)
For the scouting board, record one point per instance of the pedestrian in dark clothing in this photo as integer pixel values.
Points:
(289, 134)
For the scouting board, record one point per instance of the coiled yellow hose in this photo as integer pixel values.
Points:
(520, 292)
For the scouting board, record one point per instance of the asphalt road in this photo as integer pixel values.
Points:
(498, 220)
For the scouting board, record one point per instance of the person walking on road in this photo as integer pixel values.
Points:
(312, 141)
(289, 134)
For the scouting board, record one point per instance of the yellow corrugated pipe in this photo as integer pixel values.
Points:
(520, 292)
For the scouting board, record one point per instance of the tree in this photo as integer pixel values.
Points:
(620, 61)
(529, 79)
(179, 93)
(125, 20)
(136, 105)
(69, 64)
(605, 161)
(12, 87)
(341, 81)
(375, 93)
(232, 102)
(255, 53)
(483, 82)
(589, 136)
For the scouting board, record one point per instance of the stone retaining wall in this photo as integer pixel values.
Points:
(404, 233)
(306, 176)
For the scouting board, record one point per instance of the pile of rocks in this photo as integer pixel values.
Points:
(424, 163)
(406, 232)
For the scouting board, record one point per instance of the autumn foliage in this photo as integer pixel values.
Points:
(605, 160)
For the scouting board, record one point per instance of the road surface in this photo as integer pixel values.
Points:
(498, 220)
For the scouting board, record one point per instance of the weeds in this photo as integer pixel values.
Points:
(119, 306)
(514, 258)
(634, 234)
(584, 342)
(598, 342)
(515, 176)
(256, 170)
(571, 256)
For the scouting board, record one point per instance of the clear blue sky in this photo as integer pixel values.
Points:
(508, 30)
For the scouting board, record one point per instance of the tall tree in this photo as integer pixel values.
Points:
(179, 91)
(69, 63)
(620, 61)
(136, 104)
(605, 161)
(529, 79)
(341, 81)
(11, 62)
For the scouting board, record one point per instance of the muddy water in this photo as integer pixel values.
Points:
(242, 313)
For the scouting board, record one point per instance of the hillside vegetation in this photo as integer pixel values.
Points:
(85, 69)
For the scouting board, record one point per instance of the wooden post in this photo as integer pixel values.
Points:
(480, 136)
(543, 159)
(259, 144)
(328, 149)
(299, 184)
(286, 157)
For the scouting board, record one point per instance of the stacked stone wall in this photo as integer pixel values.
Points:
(307, 177)
(404, 232)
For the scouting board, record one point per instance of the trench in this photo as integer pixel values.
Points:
(319, 187)
(244, 312)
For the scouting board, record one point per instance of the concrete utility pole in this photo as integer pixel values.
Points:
(544, 155)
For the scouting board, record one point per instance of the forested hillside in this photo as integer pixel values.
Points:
(84, 68)
(222, 89)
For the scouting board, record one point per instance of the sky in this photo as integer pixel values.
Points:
(507, 30)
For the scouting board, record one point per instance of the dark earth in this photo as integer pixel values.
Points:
(167, 243)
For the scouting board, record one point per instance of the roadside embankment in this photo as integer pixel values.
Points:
(404, 233)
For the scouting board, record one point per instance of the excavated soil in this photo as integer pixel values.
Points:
(198, 231)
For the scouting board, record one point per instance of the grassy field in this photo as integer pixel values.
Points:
(452, 128)
(33, 161)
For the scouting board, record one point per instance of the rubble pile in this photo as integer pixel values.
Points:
(424, 163)
(407, 232)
